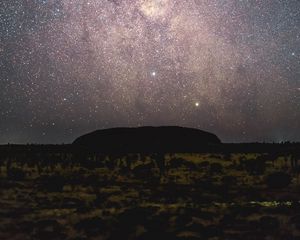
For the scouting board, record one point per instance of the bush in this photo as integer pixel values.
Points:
(229, 180)
(269, 223)
(278, 180)
(48, 229)
(255, 166)
(216, 168)
(204, 164)
(145, 172)
(295, 220)
(53, 183)
(92, 226)
(16, 174)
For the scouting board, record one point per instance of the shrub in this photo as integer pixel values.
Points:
(16, 174)
(181, 163)
(269, 223)
(216, 168)
(255, 166)
(53, 183)
(48, 229)
(204, 164)
(278, 180)
(92, 226)
(144, 172)
(229, 180)
(295, 220)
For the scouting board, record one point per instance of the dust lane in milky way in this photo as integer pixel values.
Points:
(71, 66)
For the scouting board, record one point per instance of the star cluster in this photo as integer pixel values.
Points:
(231, 67)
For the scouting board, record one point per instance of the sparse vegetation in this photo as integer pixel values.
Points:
(172, 196)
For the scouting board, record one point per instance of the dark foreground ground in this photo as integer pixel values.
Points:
(59, 195)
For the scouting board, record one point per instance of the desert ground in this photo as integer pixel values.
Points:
(59, 195)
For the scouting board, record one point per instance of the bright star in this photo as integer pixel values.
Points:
(153, 74)
(197, 104)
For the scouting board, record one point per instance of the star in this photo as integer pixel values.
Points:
(122, 62)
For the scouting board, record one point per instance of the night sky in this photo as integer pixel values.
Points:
(231, 67)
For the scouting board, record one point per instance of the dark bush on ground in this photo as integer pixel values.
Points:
(48, 229)
(269, 223)
(216, 168)
(229, 181)
(295, 220)
(255, 166)
(16, 174)
(181, 163)
(204, 164)
(278, 180)
(92, 226)
(53, 183)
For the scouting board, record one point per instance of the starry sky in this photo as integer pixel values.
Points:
(231, 67)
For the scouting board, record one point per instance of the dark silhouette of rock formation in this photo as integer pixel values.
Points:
(148, 139)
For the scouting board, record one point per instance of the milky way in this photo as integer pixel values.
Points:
(225, 66)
